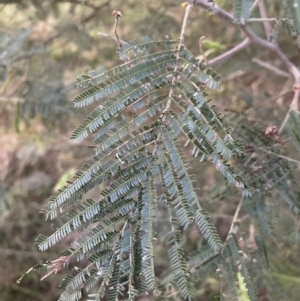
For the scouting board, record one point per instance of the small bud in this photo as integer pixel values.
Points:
(271, 131)
(184, 4)
(117, 13)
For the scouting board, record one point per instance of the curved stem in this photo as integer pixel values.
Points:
(184, 23)
(171, 92)
(255, 39)
(235, 219)
(181, 41)
(230, 52)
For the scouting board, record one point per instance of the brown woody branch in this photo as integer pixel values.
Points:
(266, 23)
(255, 39)
(230, 52)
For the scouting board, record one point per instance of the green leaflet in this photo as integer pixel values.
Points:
(178, 261)
(148, 206)
(293, 127)
(293, 17)
(242, 10)
(239, 262)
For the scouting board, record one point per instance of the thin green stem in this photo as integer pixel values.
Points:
(171, 92)
(184, 23)
(280, 156)
(254, 5)
(235, 218)
(181, 43)
(262, 19)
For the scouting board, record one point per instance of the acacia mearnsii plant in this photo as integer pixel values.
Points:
(148, 111)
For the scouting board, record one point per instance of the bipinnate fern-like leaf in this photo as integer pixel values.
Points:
(230, 276)
(241, 12)
(273, 174)
(288, 15)
(293, 127)
(143, 112)
(292, 21)
(177, 259)
(240, 264)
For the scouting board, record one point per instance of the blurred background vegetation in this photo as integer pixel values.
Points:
(44, 46)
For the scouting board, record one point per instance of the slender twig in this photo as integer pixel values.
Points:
(230, 52)
(266, 22)
(279, 156)
(171, 92)
(181, 43)
(262, 20)
(184, 24)
(293, 106)
(109, 36)
(124, 227)
(201, 49)
(254, 5)
(255, 39)
(270, 67)
(187, 12)
(117, 15)
(235, 218)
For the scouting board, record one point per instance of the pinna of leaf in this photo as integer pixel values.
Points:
(140, 159)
